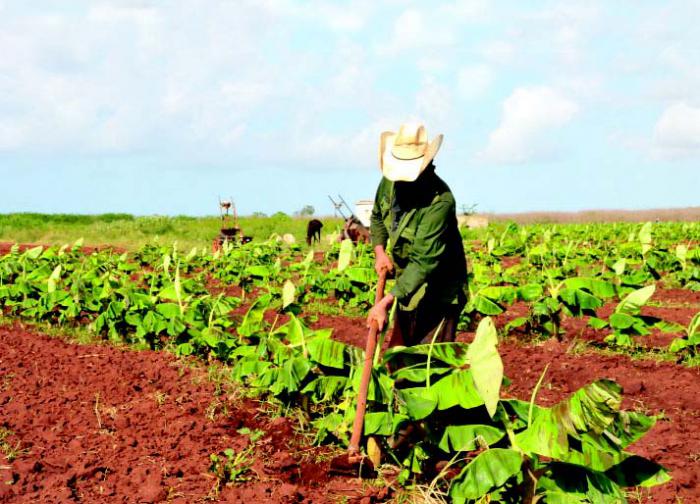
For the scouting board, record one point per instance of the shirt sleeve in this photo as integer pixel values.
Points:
(427, 251)
(377, 229)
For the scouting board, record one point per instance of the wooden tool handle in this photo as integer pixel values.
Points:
(370, 347)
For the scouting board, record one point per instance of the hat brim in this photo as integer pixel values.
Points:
(404, 170)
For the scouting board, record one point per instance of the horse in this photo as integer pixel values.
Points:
(313, 231)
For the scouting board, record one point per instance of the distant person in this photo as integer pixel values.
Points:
(415, 235)
(313, 231)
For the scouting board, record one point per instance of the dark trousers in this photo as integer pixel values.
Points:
(420, 326)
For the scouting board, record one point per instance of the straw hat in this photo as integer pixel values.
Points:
(403, 156)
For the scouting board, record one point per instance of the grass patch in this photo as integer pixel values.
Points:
(10, 450)
(132, 232)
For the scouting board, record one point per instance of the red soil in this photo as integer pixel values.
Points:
(101, 424)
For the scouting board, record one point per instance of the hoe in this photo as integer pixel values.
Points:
(354, 461)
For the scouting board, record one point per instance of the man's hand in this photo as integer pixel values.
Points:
(382, 261)
(378, 313)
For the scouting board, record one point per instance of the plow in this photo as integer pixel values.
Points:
(230, 231)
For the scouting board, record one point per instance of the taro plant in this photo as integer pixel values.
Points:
(573, 297)
(627, 321)
(691, 339)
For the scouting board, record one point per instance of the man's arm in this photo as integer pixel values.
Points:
(379, 233)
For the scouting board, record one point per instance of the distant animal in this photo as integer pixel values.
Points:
(355, 231)
(313, 231)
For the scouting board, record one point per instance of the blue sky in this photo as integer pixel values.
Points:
(159, 107)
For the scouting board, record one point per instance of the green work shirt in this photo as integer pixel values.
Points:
(418, 228)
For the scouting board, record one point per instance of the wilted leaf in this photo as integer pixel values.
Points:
(374, 451)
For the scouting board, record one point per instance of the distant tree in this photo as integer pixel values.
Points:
(258, 214)
(306, 211)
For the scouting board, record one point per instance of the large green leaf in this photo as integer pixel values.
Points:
(418, 402)
(325, 388)
(633, 302)
(499, 293)
(456, 389)
(530, 292)
(621, 321)
(290, 375)
(383, 423)
(485, 306)
(488, 471)
(486, 364)
(34, 253)
(365, 276)
(259, 270)
(327, 352)
(579, 300)
(168, 310)
(469, 437)
(452, 354)
(596, 286)
(253, 320)
(419, 373)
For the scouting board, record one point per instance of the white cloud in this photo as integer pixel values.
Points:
(465, 9)
(434, 103)
(473, 81)
(425, 28)
(336, 17)
(529, 113)
(118, 76)
(359, 149)
(498, 51)
(409, 32)
(677, 132)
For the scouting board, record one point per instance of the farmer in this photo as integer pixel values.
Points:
(415, 236)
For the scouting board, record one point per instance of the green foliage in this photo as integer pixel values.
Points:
(230, 466)
(445, 395)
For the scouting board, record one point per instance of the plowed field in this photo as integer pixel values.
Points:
(95, 423)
